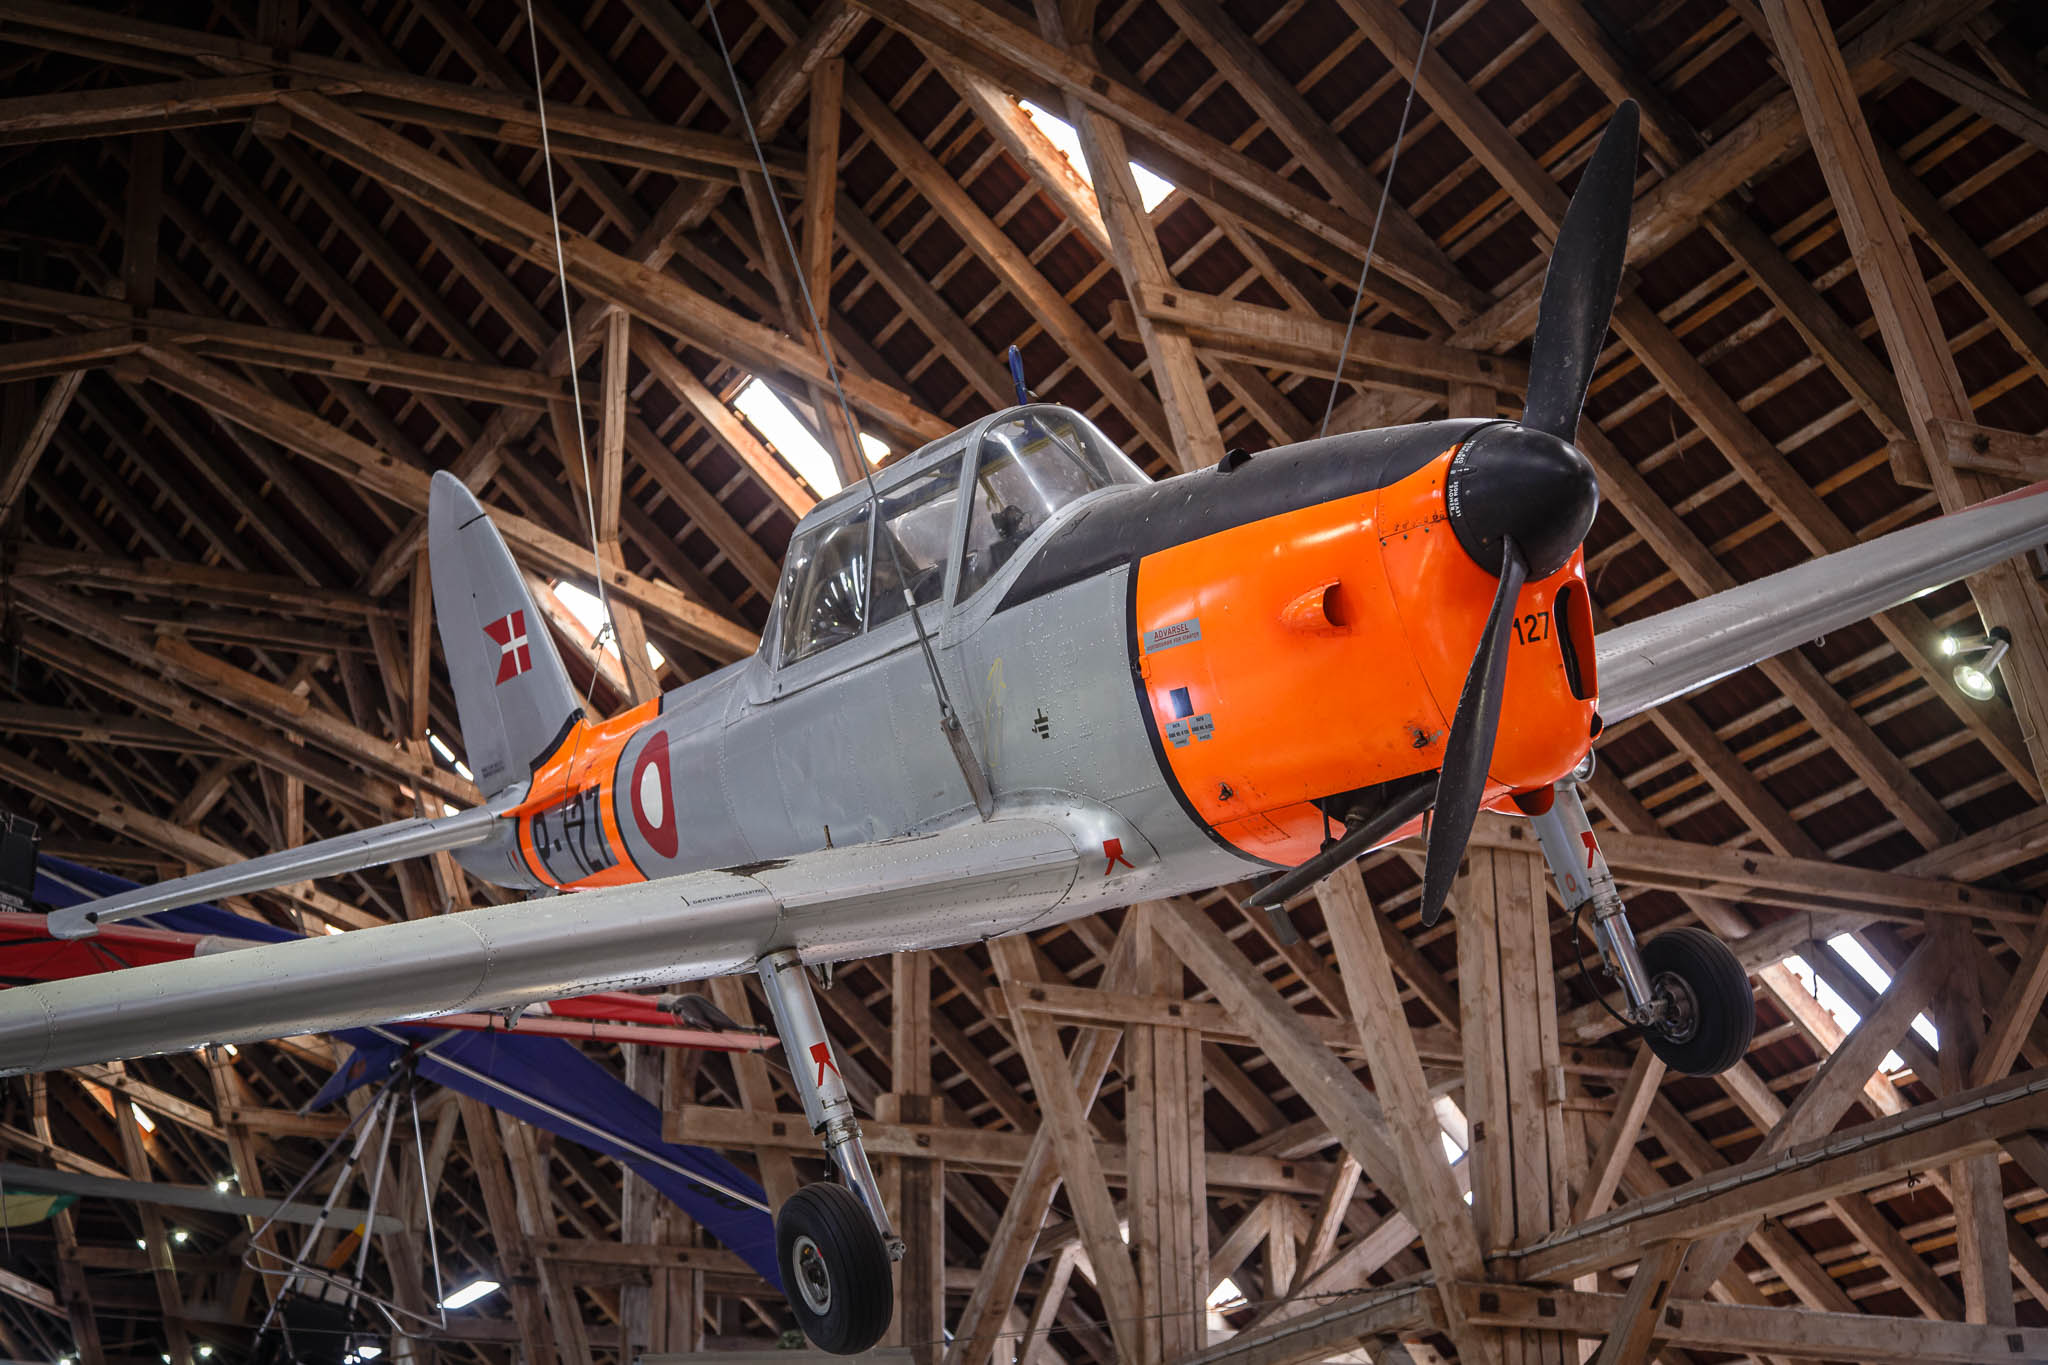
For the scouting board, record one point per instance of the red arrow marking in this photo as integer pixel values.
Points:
(821, 1053)
(1113, 850)
(1592, 847)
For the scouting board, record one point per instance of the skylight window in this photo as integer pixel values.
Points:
(1844, 1014)
(1152, 189)
(792, 440)
(448, 755)
(589, 613)
(470, 1293)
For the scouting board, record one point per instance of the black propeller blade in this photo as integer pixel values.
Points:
(1578, 290)
(1578, 303)
(1462, 782)
(1404, 805)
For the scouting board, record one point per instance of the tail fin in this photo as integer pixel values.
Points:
(511, 692)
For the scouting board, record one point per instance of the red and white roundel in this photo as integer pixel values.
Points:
(651, 797)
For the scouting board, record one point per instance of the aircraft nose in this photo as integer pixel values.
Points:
(1512, 480)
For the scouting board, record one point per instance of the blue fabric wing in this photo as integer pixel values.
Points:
(547, 1082)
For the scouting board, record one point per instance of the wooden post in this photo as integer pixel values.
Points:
(919, 1208)
(1975, 1188)
(1002, 1276)
(1169, 1206)
(1520, 1160)
(517, 1267)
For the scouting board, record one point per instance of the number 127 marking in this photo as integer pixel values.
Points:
(1533, 627)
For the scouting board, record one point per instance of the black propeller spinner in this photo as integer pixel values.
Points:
(1520, 497)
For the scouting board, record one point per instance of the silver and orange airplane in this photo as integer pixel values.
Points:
(1010, 681)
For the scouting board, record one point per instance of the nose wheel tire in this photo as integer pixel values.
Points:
(835, 1268)
(1709, 1014)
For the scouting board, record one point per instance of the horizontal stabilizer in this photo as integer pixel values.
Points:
(1649, 662)
(343, 853)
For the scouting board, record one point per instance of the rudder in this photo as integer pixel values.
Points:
(511, 692)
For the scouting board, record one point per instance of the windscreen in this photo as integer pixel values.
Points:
(1029, 466)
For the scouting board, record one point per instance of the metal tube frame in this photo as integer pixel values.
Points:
(827, 1104)
(1583, 879)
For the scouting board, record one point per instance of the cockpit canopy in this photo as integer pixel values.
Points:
(848, 570)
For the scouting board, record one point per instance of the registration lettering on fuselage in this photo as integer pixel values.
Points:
(569, 836)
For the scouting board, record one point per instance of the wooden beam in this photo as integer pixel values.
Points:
(1080, 1165)
(1850, 1160)
(1324, 1081)
(1642, 1308)
(19, 462)
(1134, 247)
(1298, 341)
(1913, 335)
(1774, 879)
(1976, 1191)
(1794, 1333)
(1433, 1203)
(976, 1331)
(821, 177)
(1837, 1085)
(376, 471)
(657, 297)
(1048, 305)
(1624, 1128)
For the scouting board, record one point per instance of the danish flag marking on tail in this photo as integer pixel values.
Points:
(515, 654)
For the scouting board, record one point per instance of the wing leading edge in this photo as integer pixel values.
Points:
(859, 899)
(1649, 662)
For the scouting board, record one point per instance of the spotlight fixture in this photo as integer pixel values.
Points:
(1973, 676)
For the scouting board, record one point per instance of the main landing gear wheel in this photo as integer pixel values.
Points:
(835, 1268)
(1711, 1015)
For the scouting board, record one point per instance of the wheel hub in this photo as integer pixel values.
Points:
(1675, 1010)
(813, 1279)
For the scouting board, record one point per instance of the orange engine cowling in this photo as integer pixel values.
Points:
(1322, 651)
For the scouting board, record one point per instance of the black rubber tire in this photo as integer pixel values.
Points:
(835, 1268)
(1724, 1010)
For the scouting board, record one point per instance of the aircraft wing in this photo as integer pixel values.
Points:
(343, 853)
(1649, 662)
(979, 880)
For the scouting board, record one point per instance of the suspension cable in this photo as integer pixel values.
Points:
(1372, 241)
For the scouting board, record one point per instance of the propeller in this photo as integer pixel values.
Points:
(1524, 498)
(1579, 287)
(1406, 802)
(1520, 497)
(1461, 783)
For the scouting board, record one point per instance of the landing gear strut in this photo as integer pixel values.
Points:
(833, 1242)
(1685, 990)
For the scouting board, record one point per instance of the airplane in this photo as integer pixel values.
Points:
(1009, 681)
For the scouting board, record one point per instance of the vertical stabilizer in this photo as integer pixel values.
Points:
(511, 692)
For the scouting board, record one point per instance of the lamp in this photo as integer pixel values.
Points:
(1973, 676)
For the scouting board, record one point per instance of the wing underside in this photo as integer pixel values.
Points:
(1649, 662)
(984, 879)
